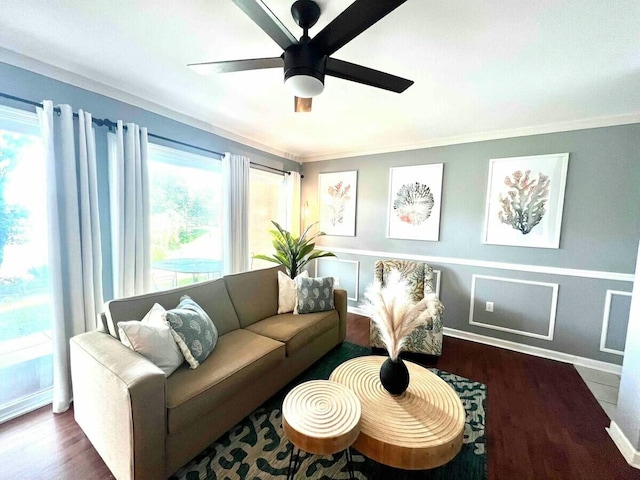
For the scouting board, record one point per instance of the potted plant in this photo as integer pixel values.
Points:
(395, 313)
(293, 252)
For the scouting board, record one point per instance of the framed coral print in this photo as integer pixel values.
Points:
(415, 196)
(338, 202)
(525, 197)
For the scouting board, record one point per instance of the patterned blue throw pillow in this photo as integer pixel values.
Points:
(193, 331)
(314, 294)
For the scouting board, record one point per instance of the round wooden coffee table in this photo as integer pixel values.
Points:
(420, 429)
(321, 417)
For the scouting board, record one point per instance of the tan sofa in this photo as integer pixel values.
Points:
(146, 425)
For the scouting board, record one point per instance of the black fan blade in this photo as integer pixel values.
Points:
(267, 21)
(368, 76)
(208, 68)
(359, 16)
(302, 104)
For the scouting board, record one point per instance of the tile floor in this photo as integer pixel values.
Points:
(604, 387)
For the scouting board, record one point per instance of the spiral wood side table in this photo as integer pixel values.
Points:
(420, 429)
(320, 417)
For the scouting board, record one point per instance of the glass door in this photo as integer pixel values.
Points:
(26, 373)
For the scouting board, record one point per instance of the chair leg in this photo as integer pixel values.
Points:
(294, 462)
(352, 474)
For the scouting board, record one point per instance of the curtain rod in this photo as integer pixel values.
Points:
(284, 172)
(105, 122)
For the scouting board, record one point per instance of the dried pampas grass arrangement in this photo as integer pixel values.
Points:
(394, 312)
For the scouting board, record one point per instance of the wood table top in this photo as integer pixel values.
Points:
(420, 429)
(322, 417)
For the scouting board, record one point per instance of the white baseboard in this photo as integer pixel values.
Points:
(631, 455)
(522, 348)
(536, 351)
(357, 311)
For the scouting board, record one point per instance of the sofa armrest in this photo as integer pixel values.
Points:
(340, 302)
(119, 401)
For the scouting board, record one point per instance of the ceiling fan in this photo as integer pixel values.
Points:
(308, 60)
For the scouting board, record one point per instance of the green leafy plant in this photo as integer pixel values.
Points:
(13, 218)
(293, 252)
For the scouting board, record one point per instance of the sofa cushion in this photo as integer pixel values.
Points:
(296, 331)
(153, 339)
(288, 293)
(240, 358)
(314, 294)
(212, 296)
(254, 294)
(193, 330)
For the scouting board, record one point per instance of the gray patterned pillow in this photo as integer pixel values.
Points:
(314, 294)
(193, 331)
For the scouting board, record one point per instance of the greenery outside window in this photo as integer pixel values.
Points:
(26, 369)
(185, 204)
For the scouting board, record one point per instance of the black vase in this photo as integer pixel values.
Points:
(394, 376)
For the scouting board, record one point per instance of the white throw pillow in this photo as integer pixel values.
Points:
(287, 292)
(152, 338)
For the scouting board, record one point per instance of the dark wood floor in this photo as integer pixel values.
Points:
(542, 423)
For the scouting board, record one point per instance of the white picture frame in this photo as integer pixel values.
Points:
(538, 223)
(337, 200)
(415, 198)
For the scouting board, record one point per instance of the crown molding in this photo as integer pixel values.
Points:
(598, 122)
(37, 66)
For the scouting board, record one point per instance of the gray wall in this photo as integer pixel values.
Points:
(599, 238)
(25, 84)
(627, 416)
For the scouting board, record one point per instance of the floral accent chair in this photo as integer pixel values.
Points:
(425, 338)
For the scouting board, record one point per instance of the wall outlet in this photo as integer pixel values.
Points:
(489, 307)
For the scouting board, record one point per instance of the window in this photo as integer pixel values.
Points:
(26, 371)
(266, 203)
(185, 202)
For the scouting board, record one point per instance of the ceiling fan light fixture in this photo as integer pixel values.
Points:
(304, 71)
(306, 61)
(304, 86)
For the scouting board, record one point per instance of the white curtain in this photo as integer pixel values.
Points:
(292, 188)
(129, 207)
(75, 251)
(235, 207)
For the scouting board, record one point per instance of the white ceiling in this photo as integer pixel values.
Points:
(482, 68)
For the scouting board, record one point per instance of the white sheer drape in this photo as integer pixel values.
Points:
(129, 207)
(292, 189)
(235, 207)
(75, 251)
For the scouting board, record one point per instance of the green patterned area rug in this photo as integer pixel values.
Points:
(256, 448)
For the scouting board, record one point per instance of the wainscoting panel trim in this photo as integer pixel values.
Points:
(552, 307)
(605, 321)
(438, 275)
(567, 272)
(357, 282)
